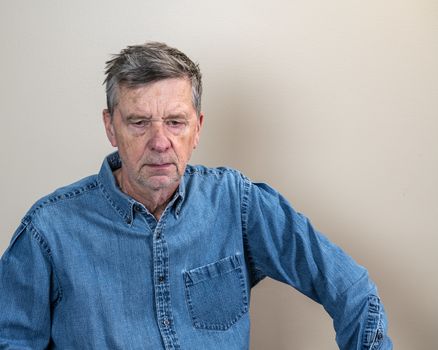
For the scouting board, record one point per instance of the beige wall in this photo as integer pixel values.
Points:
(334, 103)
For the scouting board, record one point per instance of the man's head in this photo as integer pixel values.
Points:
(153, 116)
(143, 64)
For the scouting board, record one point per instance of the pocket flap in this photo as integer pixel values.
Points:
(215, 269)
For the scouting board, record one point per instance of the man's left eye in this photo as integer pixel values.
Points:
(140, 123)
(175, 123)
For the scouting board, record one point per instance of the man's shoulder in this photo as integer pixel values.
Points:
(215, 179)
(219, 177)
(64, 196)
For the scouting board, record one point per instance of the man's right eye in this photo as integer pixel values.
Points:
(141, 123)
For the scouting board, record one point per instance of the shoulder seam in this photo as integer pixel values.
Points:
(51, 199)
(42, 242)
(258, 274)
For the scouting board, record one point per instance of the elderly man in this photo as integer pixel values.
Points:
(152, 253)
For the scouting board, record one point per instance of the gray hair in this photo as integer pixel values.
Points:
(142, 64)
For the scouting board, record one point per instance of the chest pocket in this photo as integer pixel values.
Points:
(216, 294)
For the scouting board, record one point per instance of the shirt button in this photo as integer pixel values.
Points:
(161, 279)
(166, 322)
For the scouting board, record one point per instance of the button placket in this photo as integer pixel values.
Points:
(162, 289)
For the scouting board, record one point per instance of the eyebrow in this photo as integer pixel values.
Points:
(176, 116)
(131, 117)
(137, 116)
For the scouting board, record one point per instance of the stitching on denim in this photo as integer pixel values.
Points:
(373, 326)
(189, 302)
(42, 242)
(229, 264)
(201, 170)
(375, 302)
(229, 322)
(126, 217)
(52, 199)
(164, 251)
(257, 274)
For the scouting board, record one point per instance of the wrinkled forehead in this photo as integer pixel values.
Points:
(163, 96)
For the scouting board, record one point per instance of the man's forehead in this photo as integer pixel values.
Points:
(177, 86)
(173, 95)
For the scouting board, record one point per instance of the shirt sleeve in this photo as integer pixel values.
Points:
(26, 285)
(283, 245)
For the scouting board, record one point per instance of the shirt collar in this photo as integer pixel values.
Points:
(123, 204)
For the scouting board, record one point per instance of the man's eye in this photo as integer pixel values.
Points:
(141, 123)
(174, 123)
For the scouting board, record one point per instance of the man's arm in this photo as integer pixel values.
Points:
(26, 280)
(283, 245)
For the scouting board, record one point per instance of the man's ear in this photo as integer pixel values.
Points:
(199, 124)
(109, 127)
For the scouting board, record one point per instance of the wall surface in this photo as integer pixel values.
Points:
(334, 103)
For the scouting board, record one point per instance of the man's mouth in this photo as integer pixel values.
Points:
(159, 165)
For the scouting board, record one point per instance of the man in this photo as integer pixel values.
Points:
(153, 253)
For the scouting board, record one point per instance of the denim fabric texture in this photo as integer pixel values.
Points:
(90, 268)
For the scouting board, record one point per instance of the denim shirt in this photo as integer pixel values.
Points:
(90, 268)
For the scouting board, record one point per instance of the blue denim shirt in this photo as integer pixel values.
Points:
(91, 268)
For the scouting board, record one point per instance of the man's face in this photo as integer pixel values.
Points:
(155, 128)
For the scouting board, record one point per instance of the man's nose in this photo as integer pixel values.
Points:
(158, 140)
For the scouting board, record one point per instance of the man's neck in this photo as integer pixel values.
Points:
(154, 200)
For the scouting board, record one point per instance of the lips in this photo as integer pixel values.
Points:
(161, 165)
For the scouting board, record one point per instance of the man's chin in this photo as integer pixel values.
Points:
(160, 182)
